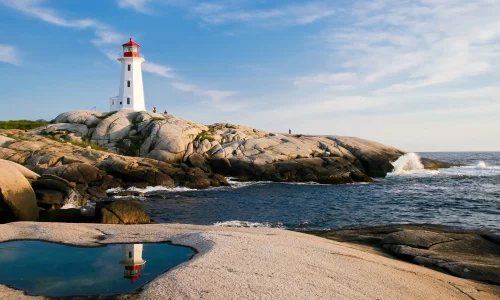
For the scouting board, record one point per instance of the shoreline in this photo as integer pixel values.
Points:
(259, 262)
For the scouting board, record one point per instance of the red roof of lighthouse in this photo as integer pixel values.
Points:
(131, 43)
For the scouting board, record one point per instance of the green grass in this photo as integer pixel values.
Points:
(21, 124)
(204, 135)
(79, 144)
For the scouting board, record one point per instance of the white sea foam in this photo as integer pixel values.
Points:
(237, 223)
(481, 165)
(71, 202)
(151, 189)
(409, 164)
(234, 183)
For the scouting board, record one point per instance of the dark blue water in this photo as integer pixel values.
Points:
(466, 196)
(48, 269)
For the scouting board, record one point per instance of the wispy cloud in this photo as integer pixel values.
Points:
(104, 34)
(224, 12)
(138, 5)
(215, 98)
(9, 54)
(402, 46)
(158, 69)
(325, 79)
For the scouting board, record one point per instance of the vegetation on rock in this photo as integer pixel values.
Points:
(22, 124)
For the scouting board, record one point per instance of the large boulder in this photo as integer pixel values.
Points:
(87, 117)
(27, 173)
(17, 197)
(113, 128)
(123, 212)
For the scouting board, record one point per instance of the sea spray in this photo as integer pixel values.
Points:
(408, 163)
(72, 200)
(481, 165)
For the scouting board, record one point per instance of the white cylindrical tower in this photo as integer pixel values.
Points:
(131, 93)
(132, 261)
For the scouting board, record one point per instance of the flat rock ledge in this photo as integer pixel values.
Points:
(466, 253)
(262, 263)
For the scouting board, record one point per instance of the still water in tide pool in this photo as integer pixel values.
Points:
(466, 196)
(49, 269)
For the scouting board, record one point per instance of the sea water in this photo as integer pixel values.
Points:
(49, 269)
(466, 196)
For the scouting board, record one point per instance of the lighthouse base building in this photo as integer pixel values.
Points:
(131, 89)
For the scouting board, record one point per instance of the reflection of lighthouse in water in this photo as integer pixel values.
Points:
(132, 261)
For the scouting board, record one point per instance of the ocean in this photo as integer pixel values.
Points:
(467, 196)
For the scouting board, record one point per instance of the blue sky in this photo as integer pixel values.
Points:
(422, 75)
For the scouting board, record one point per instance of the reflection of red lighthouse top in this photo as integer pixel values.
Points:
(131, 49)
(132, 273)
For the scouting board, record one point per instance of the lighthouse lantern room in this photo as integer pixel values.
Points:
(131, 91)
(132, 261)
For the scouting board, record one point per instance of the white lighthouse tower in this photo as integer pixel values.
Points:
(131, 93)
(132, 261)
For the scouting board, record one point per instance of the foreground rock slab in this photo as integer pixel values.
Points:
(249, 263)
(471, 254)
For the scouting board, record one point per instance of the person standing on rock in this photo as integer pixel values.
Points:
(154, 109)
(165, 112)
(289, 131)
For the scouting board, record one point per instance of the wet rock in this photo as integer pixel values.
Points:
(49, 197)
(198, 161)
(415, 238)
(123, 212)
(16, 194)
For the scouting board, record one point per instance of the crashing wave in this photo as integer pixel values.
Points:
(409, 164)
(481, 165)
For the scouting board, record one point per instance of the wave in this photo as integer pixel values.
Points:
(410, 164)
(247, 224)
(151, 189)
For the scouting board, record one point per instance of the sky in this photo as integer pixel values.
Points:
(420, 75)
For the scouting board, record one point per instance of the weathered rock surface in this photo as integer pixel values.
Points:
(260, 263)
(463, 253)
(235, 150)
(123, 212)
(17, 198)
(80, 173)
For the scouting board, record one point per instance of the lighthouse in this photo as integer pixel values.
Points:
(132, 261)
(131, 91)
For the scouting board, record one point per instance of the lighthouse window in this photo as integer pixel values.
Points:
(128, 100)
(129, 67)
(128, 83)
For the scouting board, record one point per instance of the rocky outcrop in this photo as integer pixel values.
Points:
(232, 149)
(79, 173)
(17, 198)
(464, 253)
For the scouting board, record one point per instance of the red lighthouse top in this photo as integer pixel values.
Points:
(131, 49)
